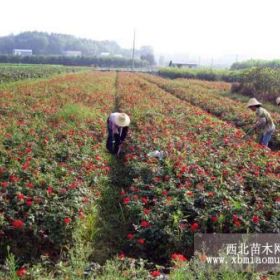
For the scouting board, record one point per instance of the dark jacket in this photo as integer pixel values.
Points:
(115, 139)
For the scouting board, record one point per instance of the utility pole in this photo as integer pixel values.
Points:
(133, 49)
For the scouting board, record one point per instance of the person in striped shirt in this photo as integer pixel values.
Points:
(264, 124)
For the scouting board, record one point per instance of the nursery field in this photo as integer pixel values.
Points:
(207, 95)
(70, 210)
(15, 72)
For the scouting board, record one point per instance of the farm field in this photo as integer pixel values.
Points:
(209, 97)
(15, 72)
(67, 206)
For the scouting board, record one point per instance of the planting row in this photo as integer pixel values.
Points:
(210, 180)
(51, 134)
(208, 98)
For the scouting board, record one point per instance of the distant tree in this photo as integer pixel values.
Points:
(147, 53)
(7, 44)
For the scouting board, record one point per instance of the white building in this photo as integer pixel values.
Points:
(22, 52)
(72, 53)
(182, 64)
(104, 54)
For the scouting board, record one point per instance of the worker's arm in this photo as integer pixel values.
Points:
(260, 123)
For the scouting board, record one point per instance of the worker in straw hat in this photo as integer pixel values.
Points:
(264, 124)
(278, 101)
(117, 125)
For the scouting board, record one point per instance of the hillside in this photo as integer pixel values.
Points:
(43, 43)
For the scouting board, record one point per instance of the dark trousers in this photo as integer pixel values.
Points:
(113, 141)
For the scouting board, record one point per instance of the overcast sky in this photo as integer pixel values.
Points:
(195, 27)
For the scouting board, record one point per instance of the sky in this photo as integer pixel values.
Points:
(210, 28)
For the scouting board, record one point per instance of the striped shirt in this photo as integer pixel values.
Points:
(265, 122)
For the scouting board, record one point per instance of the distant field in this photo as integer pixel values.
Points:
(16, 72)
(206, 74)
(260, 82)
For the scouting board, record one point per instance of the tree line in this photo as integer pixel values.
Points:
(256, 63)
(110, 62)
(45, 44)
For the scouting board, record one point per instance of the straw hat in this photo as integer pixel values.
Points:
(253, 102)
(122, 120)
(278, 100)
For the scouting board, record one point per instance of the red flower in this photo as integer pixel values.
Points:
(122, 193)
(29, 185)
(29, 202)
(98, 158)
(28, 150)
(25, 165)
(73, 185)
(178, 257)
(4, 184)
(126, 200)
(145, 224)
(49, 190)
(194, 227)
(146, 211)
(121, 256)
(157, 179)
(21, 272)
(141, 241)
(81, 214)
(144, 199)
(67, 220)
(237, 223)
(214, 219)
(189, 193)
(235, 218)
(211, 194)
(165, 192)
(256, 219)
(14, 179)
(18, 224)
(130, 236)
(20, 196)
(155, 273)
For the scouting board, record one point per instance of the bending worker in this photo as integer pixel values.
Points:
(264, 124)
(117, 125)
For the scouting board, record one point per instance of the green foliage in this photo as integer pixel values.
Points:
(11, 265)
(255, 63)
(201, 74)
(76, 113)
(10, 72)
(260, 82)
